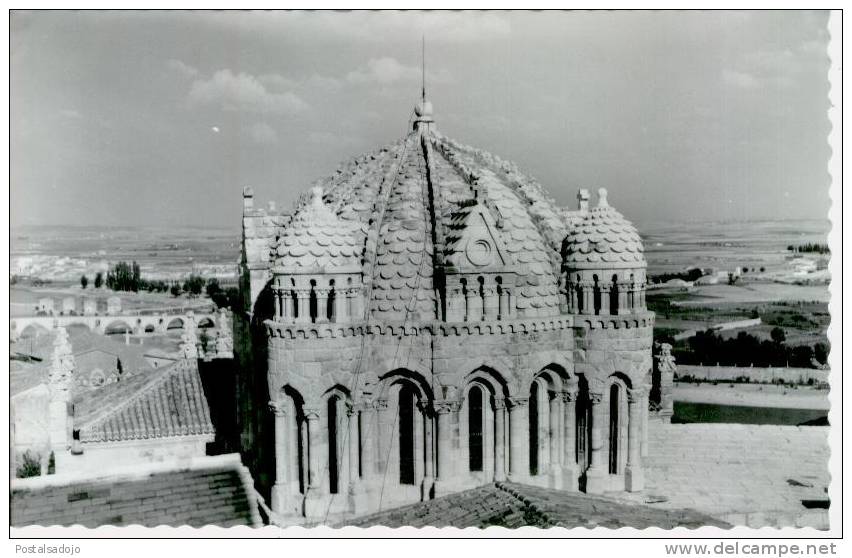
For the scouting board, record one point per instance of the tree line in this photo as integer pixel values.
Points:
(709, 348)
(127, 277)
(810, 247)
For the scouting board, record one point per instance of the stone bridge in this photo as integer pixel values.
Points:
(136, 323)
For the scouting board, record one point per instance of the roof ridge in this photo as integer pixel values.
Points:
(164, 374)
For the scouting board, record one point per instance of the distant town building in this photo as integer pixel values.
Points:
(44, 306)
(113, 305)
(90, 306)
(69, 305)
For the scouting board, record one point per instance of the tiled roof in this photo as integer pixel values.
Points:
(604, 239)
(396, 198)
(318, 240)
(204, 491)
(402, 278)
(514, 505)
(158, 404)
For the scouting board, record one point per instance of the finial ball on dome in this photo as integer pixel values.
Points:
(423, 108)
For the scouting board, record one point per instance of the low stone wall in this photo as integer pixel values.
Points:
(754, 374)
(132, 452)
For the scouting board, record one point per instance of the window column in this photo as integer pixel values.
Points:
(633, 476)
(499, 439)
(555, 437)
(519, 420)
(597, 473)
(281, 489)
(445, 433)
(569, 438)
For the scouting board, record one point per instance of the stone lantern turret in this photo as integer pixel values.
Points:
(317, 271)
(603, 262)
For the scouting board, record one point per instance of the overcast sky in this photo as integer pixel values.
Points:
(161, 118)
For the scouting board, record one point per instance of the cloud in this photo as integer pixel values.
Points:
(331, 138)
(277, 82)
(437, 26)
(73, 114)
(739, 80)
(322, 82)
(244, 92)
(383, 70)
(263, 134)
(387, 70)
(182, 68)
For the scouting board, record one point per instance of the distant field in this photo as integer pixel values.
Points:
(801, 310)
(671, 247)
(749, 292)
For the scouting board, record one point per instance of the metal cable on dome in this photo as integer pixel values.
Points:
(367, 310)
(416, 291)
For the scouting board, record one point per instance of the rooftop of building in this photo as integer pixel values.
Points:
(413, 199)
(514, 505)
(162, 403)
(203, 491)
(31, 356)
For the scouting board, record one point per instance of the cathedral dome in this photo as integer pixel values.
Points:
(407, 198)
(316, 240)
(603, 239)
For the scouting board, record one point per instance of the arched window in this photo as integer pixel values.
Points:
(464, 296)
(614, 427)
(500, 302)
(312, 303)
(580, 297)
(613, 296)
(407, 400)
(333, 449)
(295, 299)
(631, 296)
(475, 412)
(583, 416)
(596, 295)
(481, 282)
(535, 400)
(330, 310)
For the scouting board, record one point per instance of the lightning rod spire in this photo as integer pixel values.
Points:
(423, 67)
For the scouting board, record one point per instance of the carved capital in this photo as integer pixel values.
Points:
(444, 407)
(596, 398)
(311, 414)
(279, 408)
(634, 395)
(426, 408)
(569, 396)
(499, 404)
(380, 404)
(518, 402)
